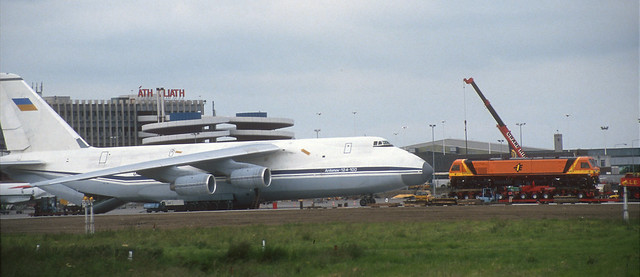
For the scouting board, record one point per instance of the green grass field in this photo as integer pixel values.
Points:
(457, 248)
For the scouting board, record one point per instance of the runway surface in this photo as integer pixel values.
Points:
(398, 215)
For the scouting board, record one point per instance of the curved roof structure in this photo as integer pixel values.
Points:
(217, 128)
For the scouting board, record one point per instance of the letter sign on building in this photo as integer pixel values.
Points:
(168, 93)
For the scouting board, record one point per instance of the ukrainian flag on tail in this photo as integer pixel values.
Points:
(24, 104)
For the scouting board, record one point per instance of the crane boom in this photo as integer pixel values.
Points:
(513, 143)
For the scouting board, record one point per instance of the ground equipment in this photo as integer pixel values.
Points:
(522, 179)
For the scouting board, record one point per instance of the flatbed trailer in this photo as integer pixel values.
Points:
(559, 200)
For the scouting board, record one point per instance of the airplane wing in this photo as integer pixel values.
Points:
(199, 160)
(6, 164)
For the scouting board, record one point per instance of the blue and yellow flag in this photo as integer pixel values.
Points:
(24, 104)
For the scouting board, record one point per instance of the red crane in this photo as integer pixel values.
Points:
(513, 144)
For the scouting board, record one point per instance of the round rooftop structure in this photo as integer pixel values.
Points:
(215, 129)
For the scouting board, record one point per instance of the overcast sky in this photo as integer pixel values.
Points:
(398, 64)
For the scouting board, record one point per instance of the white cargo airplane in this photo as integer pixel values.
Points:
(47, 153)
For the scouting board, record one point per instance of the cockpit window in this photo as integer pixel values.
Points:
(382, 143)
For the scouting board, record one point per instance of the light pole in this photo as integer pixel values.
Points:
(566, 131)
(319, 123)
(433, 159)
(443, 146)
(604, 128)
(354, 123)
(520, 125)
(633, 161)
(317, 132)
(400, 134)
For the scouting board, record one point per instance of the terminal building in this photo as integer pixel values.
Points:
(119, 120)
(160, 117)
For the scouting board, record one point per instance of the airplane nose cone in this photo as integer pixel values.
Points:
(427, 172)
(417, 179)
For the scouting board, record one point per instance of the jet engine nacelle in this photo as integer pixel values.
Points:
(199, 184)
(251, 177)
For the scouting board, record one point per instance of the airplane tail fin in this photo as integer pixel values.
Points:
(28, 123)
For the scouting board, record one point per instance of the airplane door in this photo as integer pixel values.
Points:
(103, 157)
(347, 148)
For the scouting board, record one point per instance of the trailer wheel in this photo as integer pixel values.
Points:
(534, 196)
(545, 196)
(523, 196)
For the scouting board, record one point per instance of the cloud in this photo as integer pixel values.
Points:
(397, 64)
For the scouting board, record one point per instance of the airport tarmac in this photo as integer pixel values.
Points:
(136, 208)
(288, 214)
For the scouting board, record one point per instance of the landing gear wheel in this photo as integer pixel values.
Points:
(366, 200)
